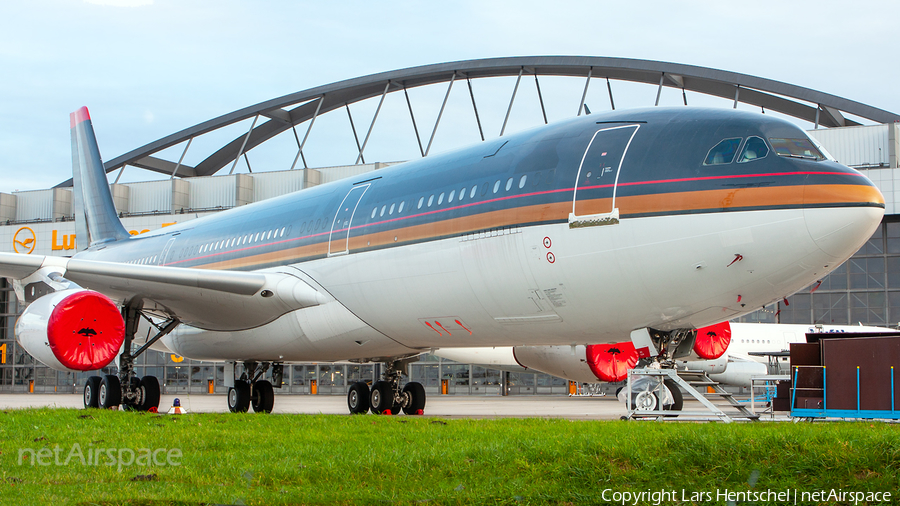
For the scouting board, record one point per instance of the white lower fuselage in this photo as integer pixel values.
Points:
(546, 285)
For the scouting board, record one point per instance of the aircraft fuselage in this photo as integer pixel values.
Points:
(573, 233)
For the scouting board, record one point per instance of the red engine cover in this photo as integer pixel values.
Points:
(85, 331)
(712, 341)
(610, 362)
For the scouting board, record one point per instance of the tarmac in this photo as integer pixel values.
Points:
(571, 408)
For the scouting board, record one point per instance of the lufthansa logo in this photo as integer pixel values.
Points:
(24, 241)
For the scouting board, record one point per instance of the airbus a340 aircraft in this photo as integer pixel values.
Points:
(643, 223)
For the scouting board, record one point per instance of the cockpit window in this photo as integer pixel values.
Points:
(754, 149)
(723, 152)
(796, 148)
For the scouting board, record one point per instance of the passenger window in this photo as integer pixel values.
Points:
(421, 200)
(508, 184)
(522, 181)
(400, 209)
(754, 148)
(269, 235)
(472, 193)
(723, 152)
(497, 186)
(391, 210)
(430, 200)
(484, 188)
(374, 211)
(452, 194)
(462, 193)
(441, 198)
(382, 210)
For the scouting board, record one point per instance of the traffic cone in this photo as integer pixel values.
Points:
(176, 408)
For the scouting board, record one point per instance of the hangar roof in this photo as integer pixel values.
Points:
(283, 113)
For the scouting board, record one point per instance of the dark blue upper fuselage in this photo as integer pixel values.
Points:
(517, 180)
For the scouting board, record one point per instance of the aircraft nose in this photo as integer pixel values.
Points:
(841, 218)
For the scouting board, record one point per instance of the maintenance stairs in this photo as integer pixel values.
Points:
(715, 402)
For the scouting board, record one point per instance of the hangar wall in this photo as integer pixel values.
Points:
(866, 289)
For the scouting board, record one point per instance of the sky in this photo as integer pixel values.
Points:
(149, 68)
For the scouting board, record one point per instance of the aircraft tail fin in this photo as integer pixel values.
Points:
(96, 220)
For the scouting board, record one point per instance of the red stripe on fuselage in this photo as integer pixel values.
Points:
(211, 255)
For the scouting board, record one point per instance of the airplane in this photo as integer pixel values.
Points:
(646, 223)
(729, 352)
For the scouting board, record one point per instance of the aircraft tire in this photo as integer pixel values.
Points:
(239, 397)
(381, 399)
(91, 391)
(416, 393)
(262, 396)
(109, 395)
(358, 398)
(677, 397)
(149, 386)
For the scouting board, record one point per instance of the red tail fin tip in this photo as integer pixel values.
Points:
(79, 116)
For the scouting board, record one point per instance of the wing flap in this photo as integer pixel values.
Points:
(87, 272)
(16, 266)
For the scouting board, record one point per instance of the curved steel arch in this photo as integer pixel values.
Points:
(290, 110)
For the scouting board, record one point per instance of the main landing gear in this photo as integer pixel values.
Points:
(386, 397)
(126, 389)
(251, 391)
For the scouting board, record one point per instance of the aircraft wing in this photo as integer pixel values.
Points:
(206, 299)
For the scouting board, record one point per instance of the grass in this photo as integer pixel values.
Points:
(328, 459)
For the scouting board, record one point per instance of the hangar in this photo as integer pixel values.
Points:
(864, 290)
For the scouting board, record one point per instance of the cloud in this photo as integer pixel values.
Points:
(120, 3)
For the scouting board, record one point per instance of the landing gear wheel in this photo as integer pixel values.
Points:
(239, 397)
(149, 388)
(645, 401)
(358, 398)
(381, 400)
(414, 395)
(677, 397)
(262, 396)
(109, 394)
(91, 392)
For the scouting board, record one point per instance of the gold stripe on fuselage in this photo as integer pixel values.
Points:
(650, 204)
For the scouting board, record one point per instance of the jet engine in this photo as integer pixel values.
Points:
(72, 330)
(585, 364)
(740, 372)
(711, 342)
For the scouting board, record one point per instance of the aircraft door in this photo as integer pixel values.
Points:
(594, 200)
(165, 252)
(338, 241)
